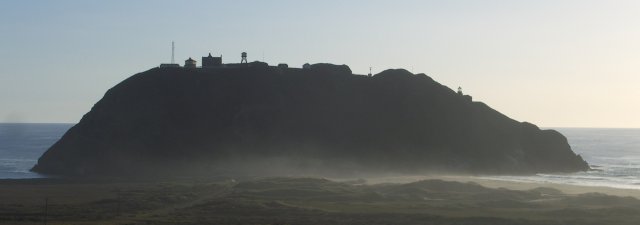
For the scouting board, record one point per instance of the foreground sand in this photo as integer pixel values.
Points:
(291, 200)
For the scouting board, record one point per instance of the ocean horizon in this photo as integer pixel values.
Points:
(612, 153)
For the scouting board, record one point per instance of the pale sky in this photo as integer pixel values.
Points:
(553, 63)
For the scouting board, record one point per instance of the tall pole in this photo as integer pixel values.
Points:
(119, 203)
(46, 206)
(173, 50)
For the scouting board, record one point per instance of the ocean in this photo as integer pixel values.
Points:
(21, 144)
(613, 153)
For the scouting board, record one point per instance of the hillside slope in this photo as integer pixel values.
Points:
(266, 120)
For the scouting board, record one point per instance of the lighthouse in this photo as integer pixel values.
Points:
(190, 63)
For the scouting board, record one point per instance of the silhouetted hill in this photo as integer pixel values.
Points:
(266, 120)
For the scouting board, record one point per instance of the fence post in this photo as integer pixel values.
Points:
(46, 209)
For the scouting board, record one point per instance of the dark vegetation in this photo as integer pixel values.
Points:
(301, 201)
(322, 120)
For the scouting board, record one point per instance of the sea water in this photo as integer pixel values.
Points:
(614, 154)
(21, 144)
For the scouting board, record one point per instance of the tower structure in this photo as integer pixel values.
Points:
(369, 71)
(173, 62)
(244, 57)
(173, 52)
(460, 90)
(190, 63)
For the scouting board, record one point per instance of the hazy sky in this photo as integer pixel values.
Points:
(553, 63)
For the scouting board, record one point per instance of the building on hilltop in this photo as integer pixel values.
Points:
(210, 61)
(215, 62)
(244, 57)
(466, 97)
(169, 65)
(283, 66)
(173, 64)
(190, 63)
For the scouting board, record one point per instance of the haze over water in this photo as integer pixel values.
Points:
(614, 153)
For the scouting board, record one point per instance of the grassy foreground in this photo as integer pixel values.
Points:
(300, 201)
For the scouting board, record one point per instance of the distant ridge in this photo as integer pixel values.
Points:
(321, 120)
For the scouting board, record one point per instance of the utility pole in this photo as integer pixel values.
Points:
(46, 208)
(119, 202)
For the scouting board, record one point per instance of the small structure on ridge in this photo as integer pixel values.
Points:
(244, 57)
(173, 63)
(210, 61)
(190, 63)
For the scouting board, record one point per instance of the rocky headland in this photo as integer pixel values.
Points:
(319, 120)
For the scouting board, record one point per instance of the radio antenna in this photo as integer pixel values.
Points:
(173, 51)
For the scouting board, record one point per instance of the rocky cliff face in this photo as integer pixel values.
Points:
(319, 120)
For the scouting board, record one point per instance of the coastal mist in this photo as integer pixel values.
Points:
(319, 112)
(614, 155)
(217, 198)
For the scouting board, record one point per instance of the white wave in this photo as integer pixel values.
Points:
(580, 180)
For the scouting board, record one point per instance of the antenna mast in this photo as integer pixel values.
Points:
(173, 50)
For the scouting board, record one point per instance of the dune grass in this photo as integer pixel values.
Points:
(300, 201)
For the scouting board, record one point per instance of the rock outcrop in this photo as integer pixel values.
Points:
(255, 120)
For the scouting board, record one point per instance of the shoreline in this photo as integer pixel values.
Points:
(489, 182)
